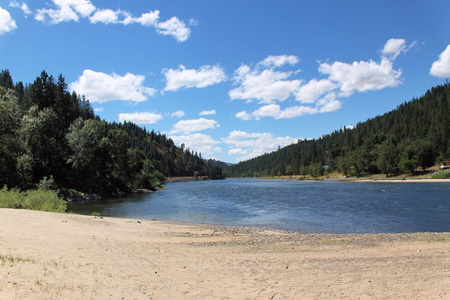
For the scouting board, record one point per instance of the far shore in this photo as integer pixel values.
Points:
(368, 178)
(65, 256)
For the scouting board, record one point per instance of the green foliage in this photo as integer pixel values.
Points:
(51, 139)
(11, 198)
(48, 184)
(441, 175)
(388, 157)
(44, 200)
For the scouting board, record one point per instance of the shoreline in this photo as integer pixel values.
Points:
(372, 178)
(65, 256)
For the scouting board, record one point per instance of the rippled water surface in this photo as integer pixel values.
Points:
(303, 206)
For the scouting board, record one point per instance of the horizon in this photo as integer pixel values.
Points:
(232, 80)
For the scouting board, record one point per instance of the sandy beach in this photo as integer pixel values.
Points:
(65, 256)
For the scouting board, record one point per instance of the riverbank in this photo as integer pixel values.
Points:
(368, 178)
(63, 256)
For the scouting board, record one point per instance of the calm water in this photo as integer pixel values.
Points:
(303, 206)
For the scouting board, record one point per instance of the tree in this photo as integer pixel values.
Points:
(11, 147)
(426, 154)
(40, 133)
(408, 160)
(388, 157)
(6, 80)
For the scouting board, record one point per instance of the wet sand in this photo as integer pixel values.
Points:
(64, 256)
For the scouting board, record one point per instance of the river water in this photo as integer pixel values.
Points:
(302, 206)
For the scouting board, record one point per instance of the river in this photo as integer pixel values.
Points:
(302, 206)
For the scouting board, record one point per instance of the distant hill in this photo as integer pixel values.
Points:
(409, 138)
(218, 163)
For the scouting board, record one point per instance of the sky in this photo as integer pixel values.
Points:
(232, 79)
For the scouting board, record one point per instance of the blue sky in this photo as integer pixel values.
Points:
(232, 79)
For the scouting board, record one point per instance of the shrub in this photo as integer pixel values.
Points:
(11, 198)
(443, 175)
(44, 200)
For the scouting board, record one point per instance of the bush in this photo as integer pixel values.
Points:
(33, 199)
(11, 198)
(443, 175)
(44, 200)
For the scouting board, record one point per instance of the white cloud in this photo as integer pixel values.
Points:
(441, 67)
(99, 109)
(362, 76)
(23, 7)
(140, 118)
(66, 10)
(101, 87)
(313, 90)
(7, 23)
(244, 115)
(393, 48)
(199, 142)
(188, 78)
(72, 10)
(178, 114)
(265, 84)
(278, 61)
(208, 112)
(326, 104)
(251, 145)
(105, 16)
(188, 126)
(175, 28)
(147, 19)
(268, 85)
(237, 151)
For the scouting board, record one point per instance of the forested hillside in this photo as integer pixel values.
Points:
(51, 136)
(412, 137)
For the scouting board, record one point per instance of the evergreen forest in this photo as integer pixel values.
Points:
(50, 137)
(407, 140)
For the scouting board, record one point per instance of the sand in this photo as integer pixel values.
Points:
(65, 256)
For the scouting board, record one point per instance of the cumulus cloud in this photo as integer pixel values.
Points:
(362, 76)
(208, 112)
(268, 85)
(65, 10)
(175, 28)
(393, 48)
(178, 114)
(275, 111)
(147, 19)
(244, 115)
(188, 126)
(101, 87)
(237, 151)
(7, 23)
(278, 61)
(441, 67)
(23, 7)
(199, 142)
(105, 16)
(140, 117)
(249, 145)
(264, 83)
(73, 10)
(313, 90)
(188, 78)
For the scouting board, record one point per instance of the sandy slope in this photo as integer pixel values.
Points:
(61, 256)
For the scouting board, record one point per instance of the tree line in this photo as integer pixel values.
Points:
(49, 135)
(408, 139)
